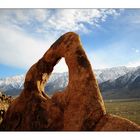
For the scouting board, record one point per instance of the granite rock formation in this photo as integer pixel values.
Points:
(79, 107)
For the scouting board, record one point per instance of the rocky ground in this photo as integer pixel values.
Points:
(4, 103)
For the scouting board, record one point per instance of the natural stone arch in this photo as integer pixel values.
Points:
(91, 107)
(78, 107)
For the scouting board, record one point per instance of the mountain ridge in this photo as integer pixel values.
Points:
(110, 80)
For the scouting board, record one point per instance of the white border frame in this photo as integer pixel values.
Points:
(69, 3)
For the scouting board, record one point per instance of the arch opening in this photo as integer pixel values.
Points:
(58, 80)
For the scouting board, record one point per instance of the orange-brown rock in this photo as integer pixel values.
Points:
(111, 122)
(79, 107)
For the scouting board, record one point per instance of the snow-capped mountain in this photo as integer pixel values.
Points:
(123, 81)
(103, 75)
(116, 79)
(127, 85)
(12, 85)
(56, 82)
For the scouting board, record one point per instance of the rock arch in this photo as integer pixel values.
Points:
(79, 107)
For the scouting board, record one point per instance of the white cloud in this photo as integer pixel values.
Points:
(56, 20)
(22, 31)
(133, 17)
(20, 50)
(40, 14)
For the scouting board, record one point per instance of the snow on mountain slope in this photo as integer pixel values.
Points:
(103, 75)
(11, 82)
(124, 87)
(123, 81)
(58, 81)
(15, 84)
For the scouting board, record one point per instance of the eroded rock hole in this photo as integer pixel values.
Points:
(59, 78)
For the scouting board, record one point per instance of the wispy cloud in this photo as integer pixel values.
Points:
(56, 20)
(115, 54)
(25, 34)
(19, 49)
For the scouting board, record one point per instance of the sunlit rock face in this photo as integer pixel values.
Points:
(79, 107)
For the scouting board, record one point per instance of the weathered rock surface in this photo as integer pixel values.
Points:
(79, 107)
(111, 122)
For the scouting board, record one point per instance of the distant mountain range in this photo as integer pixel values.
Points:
(115, 83)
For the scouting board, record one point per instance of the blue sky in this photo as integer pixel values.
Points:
(110, 37)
